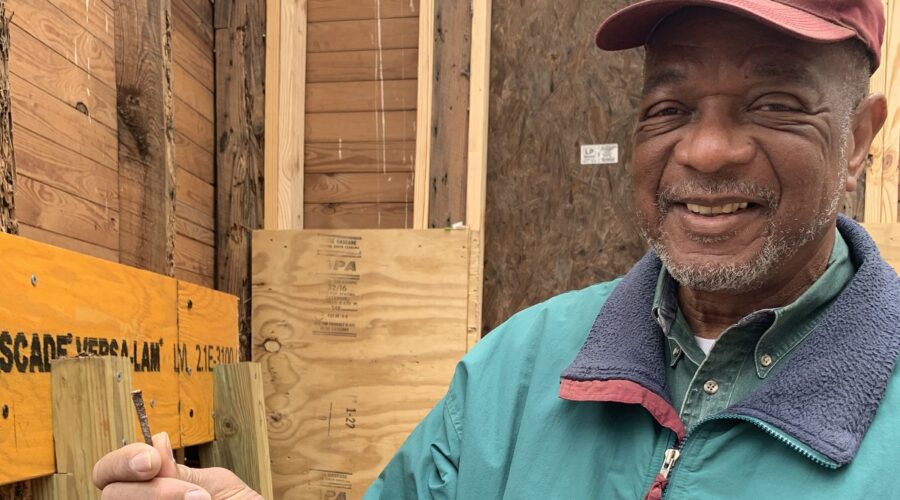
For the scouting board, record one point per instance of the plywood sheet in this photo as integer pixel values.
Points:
(551, 223)
(358, 333)
(59, 303)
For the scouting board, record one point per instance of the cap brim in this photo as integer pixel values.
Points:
(633, 25)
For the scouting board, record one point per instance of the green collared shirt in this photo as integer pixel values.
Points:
(747, 352)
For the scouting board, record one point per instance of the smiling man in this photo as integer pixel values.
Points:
(750, 354)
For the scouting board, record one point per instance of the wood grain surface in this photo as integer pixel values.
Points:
(553, 224)
(331, 10)
(367, 34)
(360, 157)
(358, 333)
(362, 65)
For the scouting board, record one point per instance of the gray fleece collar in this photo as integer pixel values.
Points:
(828, 394)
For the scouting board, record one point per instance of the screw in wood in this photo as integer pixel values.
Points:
(137, 397)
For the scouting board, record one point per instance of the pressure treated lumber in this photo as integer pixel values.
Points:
(92, 415)
(7, 157)
(358, 333)
(242, 443)
(146, 141)
(54, 487)
(240, 158)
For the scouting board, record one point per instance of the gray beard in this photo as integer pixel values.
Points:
(779, 246)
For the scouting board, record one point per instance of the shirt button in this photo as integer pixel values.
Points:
(765, 360)
(711, 387)
(676, 352)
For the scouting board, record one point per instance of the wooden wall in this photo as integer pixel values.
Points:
(360, 113)
(195, 117)
(63, 87)
(553, 224)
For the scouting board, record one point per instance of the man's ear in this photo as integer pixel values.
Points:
(867, 122)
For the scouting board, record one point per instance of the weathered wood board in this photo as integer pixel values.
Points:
(58, 303)
(358, 333)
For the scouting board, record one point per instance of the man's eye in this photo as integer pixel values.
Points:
(664, 111)
(775, 107)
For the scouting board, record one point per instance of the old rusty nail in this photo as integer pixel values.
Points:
(138, 398)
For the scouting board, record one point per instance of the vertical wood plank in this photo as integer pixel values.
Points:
(240, 121)
(285, 113)
(92, 415)
(424, 110)
(450, 116)
(7, 158)
(890, 173)
(55, 487)
(242, 442)
(476, 177)
(146, 134)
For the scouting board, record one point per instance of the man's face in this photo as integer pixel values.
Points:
(740, 156)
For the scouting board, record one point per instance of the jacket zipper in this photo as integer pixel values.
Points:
(673, 454)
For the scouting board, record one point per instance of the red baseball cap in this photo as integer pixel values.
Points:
(813, 20)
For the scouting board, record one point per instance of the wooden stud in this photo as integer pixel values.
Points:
(240, 119)
(92, 415)
(450, 116)
(285, 113)
(877, 205)
(476, 178)
(242, 443)
(424, 110)
(7, 158)
(146, 134)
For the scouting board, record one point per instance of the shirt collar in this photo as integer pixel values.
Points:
(781, 328)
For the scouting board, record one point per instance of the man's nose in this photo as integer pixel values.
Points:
(714, 140)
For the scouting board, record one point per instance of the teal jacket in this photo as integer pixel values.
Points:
(827, 426)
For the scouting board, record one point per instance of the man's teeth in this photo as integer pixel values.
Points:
(721, 209)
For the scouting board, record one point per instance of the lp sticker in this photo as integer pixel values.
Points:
(599, 154)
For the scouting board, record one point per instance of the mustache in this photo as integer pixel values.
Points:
(671, 195)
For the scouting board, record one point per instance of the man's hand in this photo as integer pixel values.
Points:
(141, 471)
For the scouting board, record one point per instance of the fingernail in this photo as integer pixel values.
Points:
(141, 462)
(169, 444)
(196, 495)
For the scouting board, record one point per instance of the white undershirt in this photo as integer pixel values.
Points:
(706, 345)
